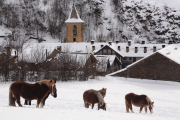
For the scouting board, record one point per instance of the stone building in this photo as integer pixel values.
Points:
(161, 65)
(74, 27)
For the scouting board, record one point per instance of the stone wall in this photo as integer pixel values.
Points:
(156, 66)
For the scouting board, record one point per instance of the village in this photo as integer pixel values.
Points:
(79, 60)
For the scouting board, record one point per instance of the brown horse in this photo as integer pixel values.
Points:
(138, 101)
(92, 96)
(28, 91)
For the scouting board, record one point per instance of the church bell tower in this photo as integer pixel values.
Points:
(74, 27)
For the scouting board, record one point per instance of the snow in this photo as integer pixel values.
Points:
(69, 102)
(172, 52)
(4, 31)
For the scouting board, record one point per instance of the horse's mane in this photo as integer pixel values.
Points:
(99, 96)
(148, 99)
(47, 82)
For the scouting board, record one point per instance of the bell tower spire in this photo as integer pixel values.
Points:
(74, 26)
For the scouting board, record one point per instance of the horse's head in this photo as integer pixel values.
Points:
(151, 105)
(103, 92)
(102, 106)
(55, 94)
(53, 88)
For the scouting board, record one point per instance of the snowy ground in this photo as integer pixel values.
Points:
(69, 103)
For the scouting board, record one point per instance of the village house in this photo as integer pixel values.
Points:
(163, 64)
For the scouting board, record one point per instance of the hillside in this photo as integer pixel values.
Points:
(104, 20)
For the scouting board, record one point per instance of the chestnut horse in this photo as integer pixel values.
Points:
(92, 96)
(30, 91)
(138, 101)
(28, 102)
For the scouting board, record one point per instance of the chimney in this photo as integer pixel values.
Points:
(163, 46)
(127, 49)
(154, 49)
(129, 43)
(110, 42)
(102, 46)
(92, 42)
(93, 48)
(136, 49)
(117, 41)
(143, 42)
(119, 48)
(59, 48)
(145, 49)
(170, 41)
(8, 49)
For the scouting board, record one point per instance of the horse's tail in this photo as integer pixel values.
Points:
(11, 99)
(127, 105)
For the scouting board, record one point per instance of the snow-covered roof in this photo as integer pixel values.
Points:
(131, 53)
(172, 52)
(74, 16)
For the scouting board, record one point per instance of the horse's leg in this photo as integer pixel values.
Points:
(29, 102)
(38, 102)
(145, 109)
(130, 106)
(41, 104)
(18, 100)
(92, 105)
(45, 98)
(25, 102)
(141, 108)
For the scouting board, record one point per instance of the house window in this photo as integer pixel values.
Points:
(74, 30)
(124, 58)
(104, 51)
(130, 58)
(100, 52)
(109, 51)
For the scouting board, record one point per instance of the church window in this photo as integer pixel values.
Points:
(74, 30)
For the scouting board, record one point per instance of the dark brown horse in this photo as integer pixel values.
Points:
(30, 91)
(92, 96)
(28, 102)
(138, 101)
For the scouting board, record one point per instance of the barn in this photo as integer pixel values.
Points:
(163, 64)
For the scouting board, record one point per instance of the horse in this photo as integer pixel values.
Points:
(92, 96)
(27, 102)
(31, 91)
(138, 101)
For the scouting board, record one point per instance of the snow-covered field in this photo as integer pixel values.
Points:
(69, 103)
